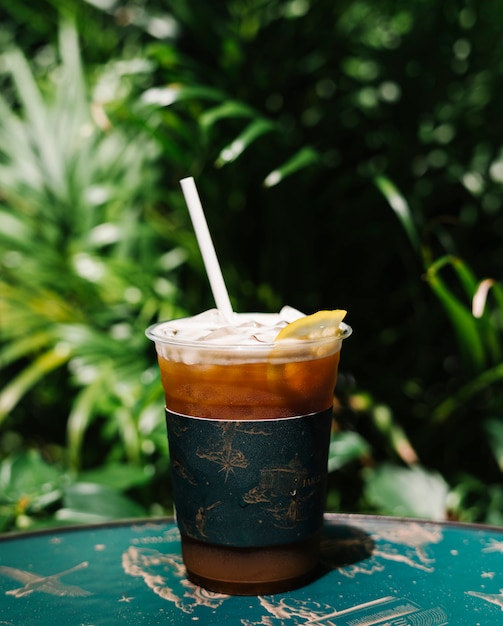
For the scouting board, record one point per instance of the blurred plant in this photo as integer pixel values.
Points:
(476, 320)
(34, 493)
(302, 124)
(83, 267)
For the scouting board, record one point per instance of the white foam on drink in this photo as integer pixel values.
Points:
(242, 329)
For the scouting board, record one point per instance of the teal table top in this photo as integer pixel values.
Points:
(376, 572)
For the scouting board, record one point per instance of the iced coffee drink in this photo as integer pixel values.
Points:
(249, 409)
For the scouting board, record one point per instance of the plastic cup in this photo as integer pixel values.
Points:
(249, 430)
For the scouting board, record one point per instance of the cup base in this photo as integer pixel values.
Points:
(251, 571)
(252, 588)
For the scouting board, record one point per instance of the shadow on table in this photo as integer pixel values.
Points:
(343, 545)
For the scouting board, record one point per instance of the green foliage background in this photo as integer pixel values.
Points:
(348, 155)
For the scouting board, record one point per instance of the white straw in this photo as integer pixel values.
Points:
(206, 246)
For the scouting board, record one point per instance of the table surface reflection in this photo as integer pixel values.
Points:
(375, 571)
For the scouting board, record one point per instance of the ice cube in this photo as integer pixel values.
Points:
(212, 326)
(289, 314)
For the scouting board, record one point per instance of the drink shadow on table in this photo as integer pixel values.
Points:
(343, 545)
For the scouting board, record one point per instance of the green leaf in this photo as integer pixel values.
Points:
(345, 447)
(228, 109)
(401, 209)
(492, 376)
(88, 502)
(472, 499)
(410, 492)
(29, 376)
(491, 320)
(35, 111)
(465, 275)
(118, 476)
(14, 230)
(25, 346)
(303, 158)
(80, 418)
(465, 325)
(27, 476)
(166, 96)
(128, 431)
(7, 519)
(252, 132)
(494, 430)
(393, 432)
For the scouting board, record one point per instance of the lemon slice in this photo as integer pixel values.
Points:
(320, 325)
